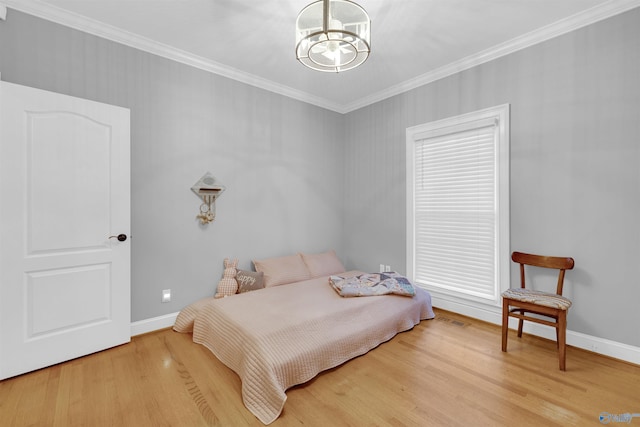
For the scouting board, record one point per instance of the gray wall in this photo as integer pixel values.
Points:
(280, 159)
(575, 147)
(575, 165)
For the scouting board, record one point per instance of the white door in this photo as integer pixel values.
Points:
(64, 190)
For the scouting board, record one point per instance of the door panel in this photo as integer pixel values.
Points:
(50, 139)
(64, 187)
(52, 294)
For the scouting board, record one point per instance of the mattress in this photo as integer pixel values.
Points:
(278, 337)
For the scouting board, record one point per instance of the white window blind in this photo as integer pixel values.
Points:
(455, 205)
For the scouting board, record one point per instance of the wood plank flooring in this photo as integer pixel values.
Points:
(445, 372)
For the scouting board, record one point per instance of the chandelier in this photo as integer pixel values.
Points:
(333, 35)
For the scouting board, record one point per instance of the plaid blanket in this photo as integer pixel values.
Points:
(371, 284)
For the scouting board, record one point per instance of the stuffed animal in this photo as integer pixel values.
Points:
(228, 284)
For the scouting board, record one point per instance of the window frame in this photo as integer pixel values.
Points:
(501, 116)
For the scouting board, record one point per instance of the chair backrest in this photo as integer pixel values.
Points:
(558, 263)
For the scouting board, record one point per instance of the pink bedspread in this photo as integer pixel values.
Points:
(278, 337)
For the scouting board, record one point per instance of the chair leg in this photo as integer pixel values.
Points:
(505, 323)
(520, 323)
(562, 337)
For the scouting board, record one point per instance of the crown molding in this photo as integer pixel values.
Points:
(109, 32)
(571, 23)
(78, 22)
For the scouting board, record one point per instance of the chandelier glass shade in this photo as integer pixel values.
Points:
(333, 35)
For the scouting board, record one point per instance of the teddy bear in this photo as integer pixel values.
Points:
(228, 284)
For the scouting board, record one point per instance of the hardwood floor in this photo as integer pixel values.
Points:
(449, 371)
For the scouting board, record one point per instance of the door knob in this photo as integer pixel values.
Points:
(120, 237)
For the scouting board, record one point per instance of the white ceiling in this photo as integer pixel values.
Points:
(413, 41)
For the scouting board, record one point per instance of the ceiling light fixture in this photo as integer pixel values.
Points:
(333, 35)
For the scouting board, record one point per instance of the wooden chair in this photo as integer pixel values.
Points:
(523, 300)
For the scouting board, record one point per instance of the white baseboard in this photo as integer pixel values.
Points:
(149, 325)
(493, 315)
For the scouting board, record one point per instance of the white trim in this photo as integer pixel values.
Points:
(571, 23)
(78, 22)
(109, 32)
(499, 117)
(493, 315)
(489, 314)
(153, 324)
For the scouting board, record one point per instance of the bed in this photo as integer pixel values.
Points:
(281, 336)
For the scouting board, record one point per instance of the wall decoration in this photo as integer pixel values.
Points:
(208, 189)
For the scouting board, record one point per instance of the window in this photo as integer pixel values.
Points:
(458, 205)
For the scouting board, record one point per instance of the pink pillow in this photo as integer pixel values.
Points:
(282, 270)
(324, 264)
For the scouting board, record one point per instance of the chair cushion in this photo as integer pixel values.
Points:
(538, 297)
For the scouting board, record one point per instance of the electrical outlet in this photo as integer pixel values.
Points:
(387, 268)
(166, 295)
(381, 268)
